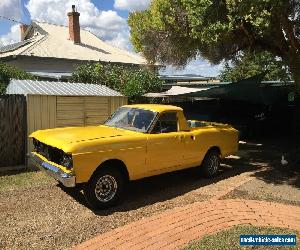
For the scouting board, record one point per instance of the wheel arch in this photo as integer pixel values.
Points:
(215, 148)
(116, 164)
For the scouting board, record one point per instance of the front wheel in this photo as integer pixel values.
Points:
(105, 189)
(211, 163)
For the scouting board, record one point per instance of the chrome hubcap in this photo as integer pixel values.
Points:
(213, 164)
(106, 188)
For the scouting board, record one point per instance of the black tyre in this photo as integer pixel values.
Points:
(106, 188)
(211, 163)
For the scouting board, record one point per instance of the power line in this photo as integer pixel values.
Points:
(11, 19)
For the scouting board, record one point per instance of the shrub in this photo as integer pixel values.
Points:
(131, 81)
(8, 72)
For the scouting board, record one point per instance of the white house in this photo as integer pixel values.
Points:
(54, 49)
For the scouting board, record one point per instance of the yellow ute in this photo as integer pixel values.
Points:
(137, 141)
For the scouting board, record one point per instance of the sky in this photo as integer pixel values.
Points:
(105, 18)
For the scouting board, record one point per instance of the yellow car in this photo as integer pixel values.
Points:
(137, 141)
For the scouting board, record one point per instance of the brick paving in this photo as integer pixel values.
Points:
(175, 228)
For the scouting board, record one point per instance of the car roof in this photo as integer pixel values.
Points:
(155, 107)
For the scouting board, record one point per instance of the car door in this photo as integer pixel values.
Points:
(165, 144)
(193, 149)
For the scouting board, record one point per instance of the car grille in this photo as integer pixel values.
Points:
(50, 153)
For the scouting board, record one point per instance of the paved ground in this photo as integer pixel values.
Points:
(175, 228)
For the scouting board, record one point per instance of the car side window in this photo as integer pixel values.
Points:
(166, 123)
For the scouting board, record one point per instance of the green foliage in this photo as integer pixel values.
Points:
(176, 31)
(131, 81)
(249, 64)
(8, 72)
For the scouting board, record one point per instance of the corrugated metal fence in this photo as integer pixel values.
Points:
(12, 130)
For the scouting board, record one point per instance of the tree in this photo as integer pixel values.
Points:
(176, 31)
(132, 81)
(8, 72)
(249, 64)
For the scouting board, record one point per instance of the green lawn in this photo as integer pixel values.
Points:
(21, 180)
(230, 239)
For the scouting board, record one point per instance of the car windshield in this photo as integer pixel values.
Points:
(134, 119)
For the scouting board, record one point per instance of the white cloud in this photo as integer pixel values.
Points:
(14, 35)
(121, 41)
(11, 9)
(132, 5)
(196, 67)
(108, 25)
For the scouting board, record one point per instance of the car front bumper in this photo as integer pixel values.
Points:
(67, 179)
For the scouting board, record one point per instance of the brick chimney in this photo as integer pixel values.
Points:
(23, 28)
(74, 26)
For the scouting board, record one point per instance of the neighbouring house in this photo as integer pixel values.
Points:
(187, 80)
(53, 51)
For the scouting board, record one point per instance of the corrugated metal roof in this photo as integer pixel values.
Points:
(14, 46)
(184, 77)
(30, 87)
(57, 75)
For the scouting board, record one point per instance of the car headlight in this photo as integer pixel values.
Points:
(67, 161)
(36, 144)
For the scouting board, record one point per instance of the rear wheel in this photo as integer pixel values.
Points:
(211, 163)
(106, 188)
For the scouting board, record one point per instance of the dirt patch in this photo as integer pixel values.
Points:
(19, 180)
(257, 189)
(48, 216)
(275, 181)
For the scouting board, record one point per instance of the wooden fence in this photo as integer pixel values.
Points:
(12, 130)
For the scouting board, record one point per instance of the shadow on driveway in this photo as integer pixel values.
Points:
(160, 188)
(265, 156)
(269, 153)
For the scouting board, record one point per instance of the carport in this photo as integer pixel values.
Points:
(251, 105)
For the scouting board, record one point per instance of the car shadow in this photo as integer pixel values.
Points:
(269, 153)
(163, 187)
(263, 156)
